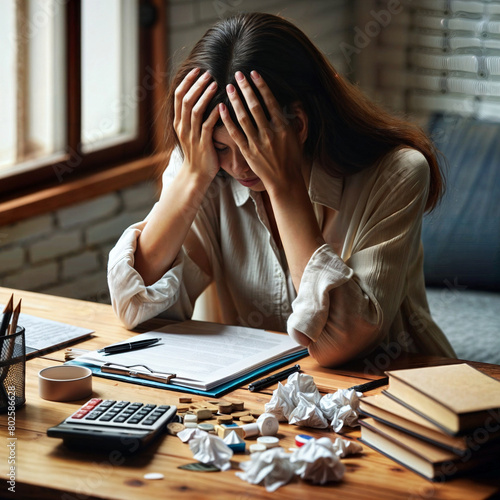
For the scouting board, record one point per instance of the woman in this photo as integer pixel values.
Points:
(300, 199)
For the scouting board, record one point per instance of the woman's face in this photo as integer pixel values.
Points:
(233, 162)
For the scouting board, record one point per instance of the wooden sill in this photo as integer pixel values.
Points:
(80, 189)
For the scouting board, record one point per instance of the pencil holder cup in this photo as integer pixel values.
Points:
(12, 370)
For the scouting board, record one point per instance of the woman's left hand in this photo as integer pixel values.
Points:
(273, 150)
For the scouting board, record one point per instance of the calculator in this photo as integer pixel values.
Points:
(118, 425)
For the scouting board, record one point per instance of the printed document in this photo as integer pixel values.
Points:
(202, 355)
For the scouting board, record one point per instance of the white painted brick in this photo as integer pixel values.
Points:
(91, 286)
(143, 195)
(96, 209)
(110, 230)
(11, 259)
(59, 244)
(32, 278)
(181, 14)
(80, 264)
(27, 229)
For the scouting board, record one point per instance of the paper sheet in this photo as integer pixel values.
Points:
(41, 333)
(203, 355)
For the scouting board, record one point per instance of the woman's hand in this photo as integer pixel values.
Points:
(273, 150)
(191, 99)
(275, 153)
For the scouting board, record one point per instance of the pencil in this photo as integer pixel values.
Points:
(15, 318)
(7, 313)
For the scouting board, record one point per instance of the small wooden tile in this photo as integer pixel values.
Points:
(237, 415)
(203, 414)
(225, 407)
(238, 405)
(224, 419)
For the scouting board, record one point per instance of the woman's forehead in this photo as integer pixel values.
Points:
(222, 135)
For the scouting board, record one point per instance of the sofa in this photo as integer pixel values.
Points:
(461, 238)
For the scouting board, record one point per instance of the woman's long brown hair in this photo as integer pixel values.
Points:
(346, 131)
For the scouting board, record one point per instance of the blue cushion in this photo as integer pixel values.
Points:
(461, 236)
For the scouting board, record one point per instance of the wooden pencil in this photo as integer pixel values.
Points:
(7, 313)
(15, 318)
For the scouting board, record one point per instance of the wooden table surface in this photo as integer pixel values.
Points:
(48, 469)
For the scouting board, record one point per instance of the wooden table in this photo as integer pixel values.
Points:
(47, 469)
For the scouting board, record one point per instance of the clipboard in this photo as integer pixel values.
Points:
(154, 379)
(131, 371)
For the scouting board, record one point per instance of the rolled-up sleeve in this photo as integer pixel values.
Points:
(346, 307)
(172, 296)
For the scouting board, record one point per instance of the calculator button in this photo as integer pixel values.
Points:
(107, 403)
(149, 421)
(119, 419)
(164, 407)
(80, 414)
(121, 404)
(134, 420)
(106, 417)
(93, 416)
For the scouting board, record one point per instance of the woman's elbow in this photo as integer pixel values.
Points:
(332, 349)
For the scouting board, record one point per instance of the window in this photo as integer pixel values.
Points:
(76, 88)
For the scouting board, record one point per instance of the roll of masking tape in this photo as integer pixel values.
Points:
(64, 383)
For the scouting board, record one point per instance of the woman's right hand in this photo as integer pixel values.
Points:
(195, 136)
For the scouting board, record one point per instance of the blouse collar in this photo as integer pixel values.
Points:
(323, 188)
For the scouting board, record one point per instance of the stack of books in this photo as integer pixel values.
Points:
(438, 421)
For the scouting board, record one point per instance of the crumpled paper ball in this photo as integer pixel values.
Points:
(187, 434)
(341, 408)
(271, 468)
(317, 463)
(281, 404)
(341, 447)
(307, 414)
(300, 384)
(297, 402)
(211, 449)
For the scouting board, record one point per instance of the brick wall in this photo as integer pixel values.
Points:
(326, 22)
(65, 252)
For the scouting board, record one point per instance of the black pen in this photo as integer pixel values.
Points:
(265, 382)
(128, 346)
(368, 386)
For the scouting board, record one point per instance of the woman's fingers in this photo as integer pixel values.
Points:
(233, 131)
(270, 101)
(264, 125)
(181, 91)
(252, 102)
(199, 108)
(207, 128)
(186, 98)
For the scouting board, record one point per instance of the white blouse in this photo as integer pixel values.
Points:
(363, 288)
